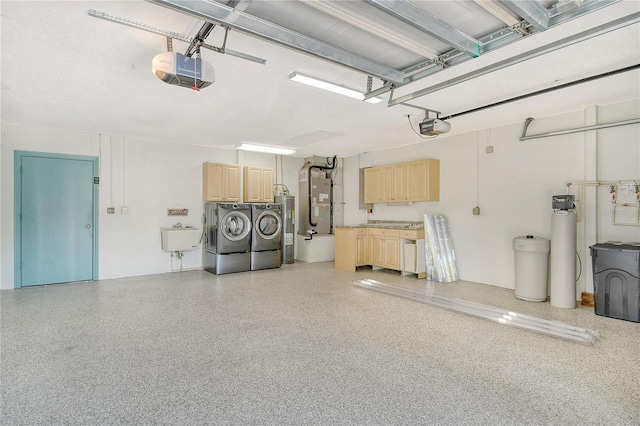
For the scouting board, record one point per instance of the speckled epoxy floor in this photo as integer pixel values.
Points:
(301, 345)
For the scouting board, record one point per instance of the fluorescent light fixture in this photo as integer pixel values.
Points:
(265, 148)
(331, 87)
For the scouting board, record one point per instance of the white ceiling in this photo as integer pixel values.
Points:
(62, 68)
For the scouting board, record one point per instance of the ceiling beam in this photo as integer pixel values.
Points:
(337, 10)
(431, 25)
(498, 11)
(531, 11)
(139, 25)
(616, 24)
(216, 12)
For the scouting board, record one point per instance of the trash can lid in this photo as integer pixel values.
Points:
(530, 241)
(616, 246)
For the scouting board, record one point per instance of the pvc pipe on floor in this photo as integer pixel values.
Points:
(501, 316)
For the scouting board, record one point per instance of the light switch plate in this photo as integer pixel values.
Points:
(111, 210)
(124, 210)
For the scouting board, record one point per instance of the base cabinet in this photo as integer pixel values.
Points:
(400, 250)
(362, 247)
(384, 244)
(351, 248)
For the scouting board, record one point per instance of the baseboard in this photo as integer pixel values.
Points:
(587, 299)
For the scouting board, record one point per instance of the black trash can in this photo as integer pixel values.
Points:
(616, 280)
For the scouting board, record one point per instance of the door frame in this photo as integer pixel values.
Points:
(17, 207)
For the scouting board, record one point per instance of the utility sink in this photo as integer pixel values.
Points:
(180, 239)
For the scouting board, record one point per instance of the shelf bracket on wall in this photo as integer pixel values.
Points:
(579, 129)
(526, 126)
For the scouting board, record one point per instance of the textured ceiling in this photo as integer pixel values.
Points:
(62, 68)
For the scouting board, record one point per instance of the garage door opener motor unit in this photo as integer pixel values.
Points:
(184, 71)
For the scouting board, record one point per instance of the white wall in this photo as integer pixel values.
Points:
(145, 175)
(512, 186)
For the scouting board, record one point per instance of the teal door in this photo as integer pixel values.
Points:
(56, 216)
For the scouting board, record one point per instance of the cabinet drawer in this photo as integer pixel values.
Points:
(378, 232)
(414, 234)
(361, 231)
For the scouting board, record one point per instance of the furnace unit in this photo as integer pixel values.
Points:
(316, 196)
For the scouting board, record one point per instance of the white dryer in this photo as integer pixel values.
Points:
(266, 236)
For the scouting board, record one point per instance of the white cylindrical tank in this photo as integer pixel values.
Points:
(531, 268)
(562, 278)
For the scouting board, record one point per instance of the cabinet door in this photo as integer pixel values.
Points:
(373, 185)
(388, 184)
(423, 180)
(345, 249)
(376, 251)
(392, 253)
(231, 183)
(252, 188)
(362, 254)
(417, 181)
(212, 188)
(400, 182)
(266, 182)
(433, 180)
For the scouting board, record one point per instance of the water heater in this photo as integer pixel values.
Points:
(288, 226)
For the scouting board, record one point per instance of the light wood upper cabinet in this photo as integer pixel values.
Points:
(220, 182)
(423, 180)
(258, 185)
(400, 182)
(267, 185)
(412, 181)
(388, 189)
(373, 185)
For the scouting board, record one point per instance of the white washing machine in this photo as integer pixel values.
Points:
(266, 236)
(228, 245)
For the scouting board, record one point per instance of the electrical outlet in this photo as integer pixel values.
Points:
(489, 149)
(111, 210)
(476, 211)
(124, 210)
